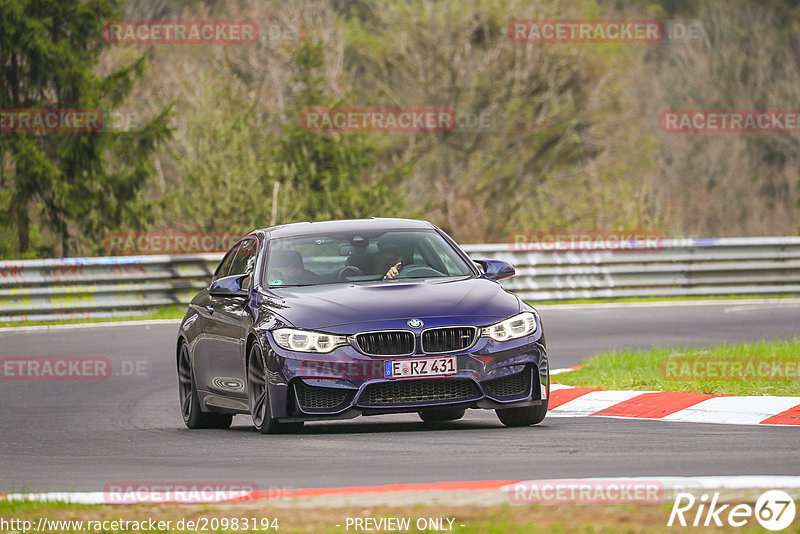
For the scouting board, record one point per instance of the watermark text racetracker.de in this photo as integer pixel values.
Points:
(342, 120)
(731, 121)
(48, 120)
(605, 31)
(69, 368)
(729, 368)
(166, 491)
(348, 120)
(360, 370)
(586, 31)
(168, 242)
(181, 32)
(587, 491)
(585, 241)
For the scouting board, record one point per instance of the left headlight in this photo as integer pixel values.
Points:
(307, 341)
(523, 324)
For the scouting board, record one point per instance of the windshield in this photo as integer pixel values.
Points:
(361, 257)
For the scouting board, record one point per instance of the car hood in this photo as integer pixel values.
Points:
(325, 306)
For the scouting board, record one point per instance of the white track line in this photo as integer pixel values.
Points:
(734, 410)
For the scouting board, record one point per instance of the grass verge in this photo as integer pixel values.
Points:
(761, 368)
(505, 519)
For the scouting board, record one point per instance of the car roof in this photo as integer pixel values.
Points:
(348, 225)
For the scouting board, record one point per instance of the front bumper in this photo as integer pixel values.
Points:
(347, 383)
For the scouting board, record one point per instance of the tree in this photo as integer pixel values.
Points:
(231, 150)
(326, 174)
(219, 154)
(83, 180)
(550, 141)
(728, 184)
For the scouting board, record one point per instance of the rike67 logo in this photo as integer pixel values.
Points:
(774, 510)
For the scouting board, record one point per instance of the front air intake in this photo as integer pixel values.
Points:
(314, 398)
(419, 392)
(517, 385)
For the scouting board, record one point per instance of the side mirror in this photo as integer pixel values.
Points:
(496, 269)
(229, 286)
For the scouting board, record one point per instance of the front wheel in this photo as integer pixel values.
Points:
(193, 416)
(525, 416)
(258, 393)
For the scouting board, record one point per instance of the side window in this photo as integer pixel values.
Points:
(225, 264)
(452, 270)
(244, 259)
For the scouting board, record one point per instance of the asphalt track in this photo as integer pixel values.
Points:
(68, 435)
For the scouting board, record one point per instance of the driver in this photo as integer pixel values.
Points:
(389, 261)
(289, 269)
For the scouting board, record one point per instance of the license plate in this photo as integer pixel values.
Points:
(426, 367)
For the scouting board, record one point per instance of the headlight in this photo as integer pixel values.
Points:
(515, 327)
(307, 341)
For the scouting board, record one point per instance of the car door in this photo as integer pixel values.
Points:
(203, 345)
(220, 360)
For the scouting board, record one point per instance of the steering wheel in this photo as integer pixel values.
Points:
(349, 270)
(416, 270)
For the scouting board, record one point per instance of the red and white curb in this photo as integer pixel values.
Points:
(479, 492)
(568, 401)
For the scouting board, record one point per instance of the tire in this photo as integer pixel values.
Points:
(258, 395)
(438, 415)
(193, 415)
(525, 416)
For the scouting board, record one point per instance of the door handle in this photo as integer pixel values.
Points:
(210, 309)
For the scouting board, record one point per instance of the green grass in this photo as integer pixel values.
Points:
(175, 311)
(23, 508)
(658, 299)
(688, 369)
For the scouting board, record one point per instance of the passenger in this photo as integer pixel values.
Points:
(287, 268)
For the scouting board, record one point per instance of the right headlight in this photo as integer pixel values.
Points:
(520, 325)
(307, 341)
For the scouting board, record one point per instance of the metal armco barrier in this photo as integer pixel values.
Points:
(75, 288)
(35, 290)
(677, 267)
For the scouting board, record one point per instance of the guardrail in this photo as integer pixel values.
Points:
(82, 288)
(35, 290)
